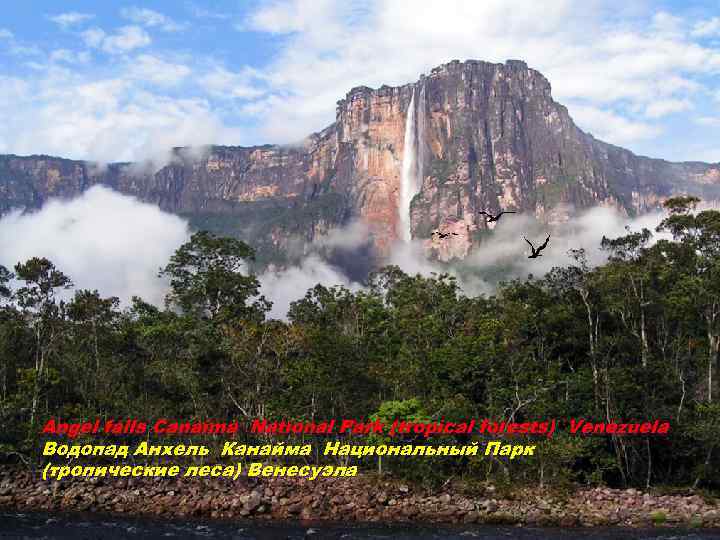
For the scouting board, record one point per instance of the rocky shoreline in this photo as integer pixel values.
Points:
(362, 499)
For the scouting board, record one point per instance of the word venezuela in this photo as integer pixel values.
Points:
(486, 426)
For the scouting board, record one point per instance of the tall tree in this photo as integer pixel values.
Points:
(207, 279)
(37, 298)
(5, 277)
(699, 236)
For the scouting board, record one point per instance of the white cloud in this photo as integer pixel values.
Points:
(635, 63)
(666, 23)
(506, 248)
(12, 89)
(353, 236)
(586, 231)
(639, 67)
(282, 17)
(609, 126)
(708, 120)
(70, 57)
(113, 119)
(94, 240)
(124, 40)
(343, 245)
(153, 69)
(24, 50)
(93, 37)
(708, 28)
(66, 20)
(663, 107)
(410, 257)
(227, 84)
(17, 48)
(285, 286)
(148, 17)
(203, 13)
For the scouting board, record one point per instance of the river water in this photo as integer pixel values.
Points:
(15, 525)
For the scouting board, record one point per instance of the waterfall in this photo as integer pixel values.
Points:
(419, 170)
(408, 181)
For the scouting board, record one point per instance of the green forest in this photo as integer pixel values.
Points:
(634, 339)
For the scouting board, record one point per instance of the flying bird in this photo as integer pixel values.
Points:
(442, 235)
(536, 252)
(491, 218)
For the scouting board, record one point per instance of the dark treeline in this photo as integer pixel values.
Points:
(634, 339)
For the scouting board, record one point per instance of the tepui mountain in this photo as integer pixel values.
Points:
(483, 136)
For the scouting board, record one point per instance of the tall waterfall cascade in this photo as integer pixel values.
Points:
(412, 163)
(420, 140)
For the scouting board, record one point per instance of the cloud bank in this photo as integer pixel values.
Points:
(647, 73)
(642, 65)
(111, 242)
(101, 240)
(282, 287)
(582, 232)
(503, 256)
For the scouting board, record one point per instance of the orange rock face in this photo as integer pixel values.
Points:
(488, 137)
(372, 123)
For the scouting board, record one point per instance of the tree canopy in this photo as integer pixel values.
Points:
(636, 338)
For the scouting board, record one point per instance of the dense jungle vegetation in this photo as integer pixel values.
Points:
(634, 339)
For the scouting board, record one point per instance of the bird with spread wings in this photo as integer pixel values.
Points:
(442, 235)
(536, 252)
(491, 218)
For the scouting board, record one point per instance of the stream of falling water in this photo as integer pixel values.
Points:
(420, 140)
(408, 180)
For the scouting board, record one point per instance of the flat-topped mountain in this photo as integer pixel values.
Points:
(406, 160)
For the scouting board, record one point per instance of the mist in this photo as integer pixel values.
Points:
(343, 256)
(113, 243)
(584, 231)
(102, 240)
(503, 255)
(282, 287)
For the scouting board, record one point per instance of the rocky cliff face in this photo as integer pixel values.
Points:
(486, 136)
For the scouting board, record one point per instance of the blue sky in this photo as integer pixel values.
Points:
(123, 80)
